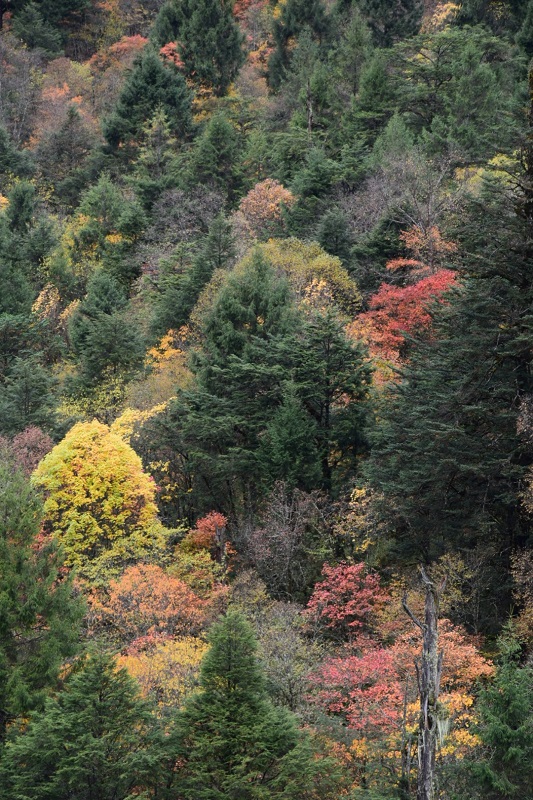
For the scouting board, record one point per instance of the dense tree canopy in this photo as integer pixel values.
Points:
(265, 344)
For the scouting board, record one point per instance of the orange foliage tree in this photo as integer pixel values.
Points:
(146, 605)
(260, 213)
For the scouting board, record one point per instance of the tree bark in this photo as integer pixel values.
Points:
(429, 672)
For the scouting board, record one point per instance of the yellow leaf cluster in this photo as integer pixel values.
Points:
(100, 505)
(311, 273)
(169, 671)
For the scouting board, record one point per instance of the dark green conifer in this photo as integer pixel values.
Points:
(233, 743)
(30, 26)
(208, 39)
(39, 616)
(95, 739)
(392, 20)
(149, 87)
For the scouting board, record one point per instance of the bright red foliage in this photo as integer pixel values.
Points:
(365, 689)
(397, 312)
(346, 600)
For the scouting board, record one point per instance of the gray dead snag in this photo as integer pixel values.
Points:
(428, 673)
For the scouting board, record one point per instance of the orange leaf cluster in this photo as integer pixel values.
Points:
(261, 211)
(146, 605)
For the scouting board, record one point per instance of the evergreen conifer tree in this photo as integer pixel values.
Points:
(95, 739)
(30, 26)
(392, 20)
(503, 766)
(39, 616)
(208, 39)
(233, 743)
(149, 87)
(447, 455)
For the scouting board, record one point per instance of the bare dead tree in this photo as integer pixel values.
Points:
(428, 671)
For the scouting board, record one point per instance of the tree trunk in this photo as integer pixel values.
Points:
(429, 674)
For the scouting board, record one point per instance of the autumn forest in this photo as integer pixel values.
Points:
(266, 400)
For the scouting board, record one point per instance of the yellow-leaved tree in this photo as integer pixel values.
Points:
(100, 504)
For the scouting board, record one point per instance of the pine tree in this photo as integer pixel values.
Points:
(39, 617)
(149, 87)
(392, 20)
(237, 386)
(95, 739)
(152, 174)
(208, 39)
(503, 767)
(233, 743)
(334, 235)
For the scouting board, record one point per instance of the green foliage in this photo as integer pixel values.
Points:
(26, 396)
(104, 338)
(233, 742)
(55, 13)
(150, 86)
(334, 235)
(503, 766)
(94, 739)
(180, 292)
(152, 170)
(215, 156)
(30, 26)
(296, 17)
(447, 455)
(13, 161)
(208, 40)
(391, 20)
(64, 157)
(39, 617)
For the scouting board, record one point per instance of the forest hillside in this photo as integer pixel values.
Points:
(266, 400)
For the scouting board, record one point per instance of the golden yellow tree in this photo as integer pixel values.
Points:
(100, 505)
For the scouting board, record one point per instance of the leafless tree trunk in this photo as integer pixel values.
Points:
(429, 672)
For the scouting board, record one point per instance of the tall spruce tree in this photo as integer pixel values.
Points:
(208, 39)
(95, 739)
(503, 765)
(296, 16)
(232, 743)
(447, 455)
(392, 20)
(149, 87)
(39, 616)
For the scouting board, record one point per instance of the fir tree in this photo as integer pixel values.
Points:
(503, 767)
(296, 17)
(447, 455)
(208, 39)
(392, 20)
(39, 617)
(181, 291)
(95, 739)
(233, 743)
(149, 87)
(103, 337)
(30, 26)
